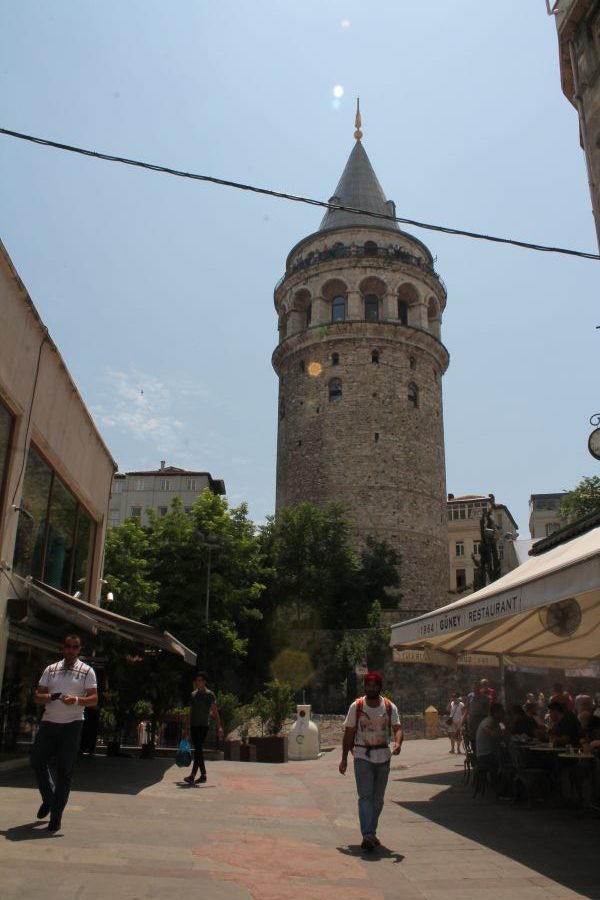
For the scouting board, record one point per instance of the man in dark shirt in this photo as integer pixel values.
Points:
(565, 728)
(478, 707)
(203, 705)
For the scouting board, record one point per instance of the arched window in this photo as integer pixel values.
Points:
(370, 248)
(338, 309)
(371, 308)
(308, 314)
(413, 395)
(403, 311)
(335, 359)
(302, 365)
(335, 390)
(375, 356)
(412, 362)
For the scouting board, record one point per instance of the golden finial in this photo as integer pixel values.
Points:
(358, 121)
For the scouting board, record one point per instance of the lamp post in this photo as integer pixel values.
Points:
(211, 542)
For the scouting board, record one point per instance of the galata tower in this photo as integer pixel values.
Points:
(360, 364)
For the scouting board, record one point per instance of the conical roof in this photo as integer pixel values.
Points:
(358, 187)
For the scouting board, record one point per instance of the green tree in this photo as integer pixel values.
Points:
(583, 499)
(487, 564)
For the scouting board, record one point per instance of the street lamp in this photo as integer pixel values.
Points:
(212, 542)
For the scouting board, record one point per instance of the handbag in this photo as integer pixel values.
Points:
(183, 756)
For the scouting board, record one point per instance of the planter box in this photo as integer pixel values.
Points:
(247, 753)
(271, 749)
(148, 751)
(231, 750)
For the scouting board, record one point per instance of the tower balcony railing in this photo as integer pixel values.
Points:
(353, 251)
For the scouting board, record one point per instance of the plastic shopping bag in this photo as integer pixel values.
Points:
(183, 757)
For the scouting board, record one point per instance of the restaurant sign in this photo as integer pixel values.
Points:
(438, 657)
(464, 617)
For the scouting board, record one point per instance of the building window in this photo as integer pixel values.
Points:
(370, 248)
(162, 511)
(403, 312)
(413, 396)
(375, 356)
(165, 484)
(335, 390)
(191, 484)
(476, 548)
(136, 512)
(338, 309)
(117, 486)
(308, 314)
(371, 308)
(6, 427)
(55, 534)
(335, 359)
(460, 548)
(461, 579)
(551, 527)
(187, 509)
(113, 518)
(138, 484)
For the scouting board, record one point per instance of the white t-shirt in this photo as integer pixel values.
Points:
(59, 679)
(372, 730)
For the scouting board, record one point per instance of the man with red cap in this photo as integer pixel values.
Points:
(367, 730)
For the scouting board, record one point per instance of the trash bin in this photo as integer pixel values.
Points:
(303, 739)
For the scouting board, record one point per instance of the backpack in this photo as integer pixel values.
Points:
(360, 702)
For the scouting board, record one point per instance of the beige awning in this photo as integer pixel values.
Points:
(515, 616)
(42, 598)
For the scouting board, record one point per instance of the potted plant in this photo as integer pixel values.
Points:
(272, 708)
(244, 717)
(228, 705)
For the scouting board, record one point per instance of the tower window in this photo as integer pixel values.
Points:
(375, 356)
(335, 359)
(302, 365)
(338, 309)
(376, 436)
(308, 314)
(412, 362)
(371, 308)
(413, 395)
(335, 390)
(370, 248)
(403, 312)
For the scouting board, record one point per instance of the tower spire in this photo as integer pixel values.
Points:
(358, 121)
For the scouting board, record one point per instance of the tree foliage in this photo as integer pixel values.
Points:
(583, 499)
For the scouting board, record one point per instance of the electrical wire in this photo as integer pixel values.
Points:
(240, 186)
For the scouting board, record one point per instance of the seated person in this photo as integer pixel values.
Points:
(559, 695)
(490, 737)
(590, 726)
(525, 722)
(564, 726)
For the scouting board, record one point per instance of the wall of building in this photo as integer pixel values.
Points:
(49, 413)
(143, 492)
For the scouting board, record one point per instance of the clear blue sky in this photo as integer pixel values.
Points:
(157, 285)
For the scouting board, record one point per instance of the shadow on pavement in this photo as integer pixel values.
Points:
(31, 831)
(101, 774)
(560, 844)
(371, 855)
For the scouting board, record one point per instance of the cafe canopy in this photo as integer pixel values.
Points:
(544, 613)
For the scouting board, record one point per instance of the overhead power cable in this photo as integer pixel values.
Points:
(240, 186)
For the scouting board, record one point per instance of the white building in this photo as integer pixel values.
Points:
(134, 493)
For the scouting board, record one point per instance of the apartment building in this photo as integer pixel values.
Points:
(464, 536)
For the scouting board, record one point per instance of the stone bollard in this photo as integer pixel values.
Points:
(431, 722)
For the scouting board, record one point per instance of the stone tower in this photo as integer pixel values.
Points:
(360, 365)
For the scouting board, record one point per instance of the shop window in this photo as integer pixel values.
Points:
(60, 536)
(31, 530)
(6, 427)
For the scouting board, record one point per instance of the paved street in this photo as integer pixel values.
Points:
(134, 830)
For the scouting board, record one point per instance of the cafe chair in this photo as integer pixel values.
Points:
(532, 781)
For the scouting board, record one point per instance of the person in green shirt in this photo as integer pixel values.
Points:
(203, 706)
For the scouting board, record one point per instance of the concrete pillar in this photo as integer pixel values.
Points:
(417, 314)
(354, 309)
(389, 307)
(321, 311)
(295, 322)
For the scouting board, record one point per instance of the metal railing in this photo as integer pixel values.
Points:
(347, 251)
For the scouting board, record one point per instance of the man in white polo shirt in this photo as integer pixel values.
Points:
(65, 689)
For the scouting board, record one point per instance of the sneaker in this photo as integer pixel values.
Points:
(368, 843)
(54, 825)
(201, 780)
(43, 811)
(189, 779)
(376, 840)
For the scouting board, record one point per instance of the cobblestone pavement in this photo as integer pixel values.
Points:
(133, 830)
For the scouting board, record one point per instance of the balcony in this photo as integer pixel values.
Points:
(357, 251)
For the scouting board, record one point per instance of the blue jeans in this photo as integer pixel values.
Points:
(371, 782)
(60, 741)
